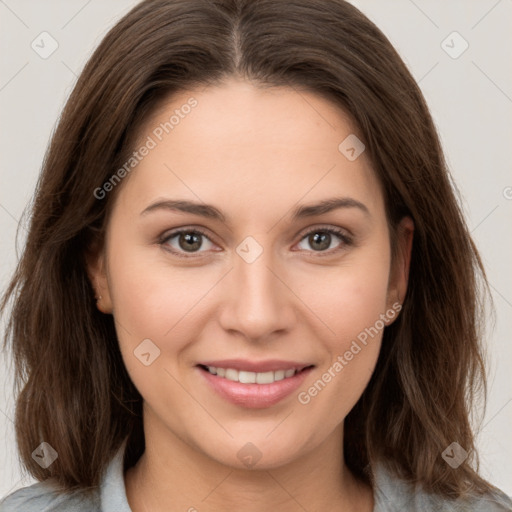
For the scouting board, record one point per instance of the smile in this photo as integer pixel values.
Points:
(253, 389)
(246, 377)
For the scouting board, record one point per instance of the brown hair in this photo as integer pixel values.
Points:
(74, 391)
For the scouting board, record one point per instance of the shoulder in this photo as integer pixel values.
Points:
(45, 497)
(393, 494)
(109, 496)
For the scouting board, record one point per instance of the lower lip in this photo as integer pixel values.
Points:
(254, 396)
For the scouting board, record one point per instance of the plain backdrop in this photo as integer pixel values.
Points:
(469, 91)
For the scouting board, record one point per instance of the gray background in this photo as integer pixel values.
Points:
(470, 98)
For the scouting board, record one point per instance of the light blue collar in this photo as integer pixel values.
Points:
(113, 490)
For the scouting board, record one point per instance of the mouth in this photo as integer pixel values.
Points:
(254, 389)
(248, 377)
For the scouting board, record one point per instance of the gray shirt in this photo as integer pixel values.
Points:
(390, 495)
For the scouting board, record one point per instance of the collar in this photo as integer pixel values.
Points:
(112, 489)
(390, 493)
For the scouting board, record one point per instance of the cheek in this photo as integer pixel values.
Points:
(149, 297)
(151, 302)
(349, 298)
(350, 305)
(154, 300)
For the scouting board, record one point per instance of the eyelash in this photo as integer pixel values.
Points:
(345, 239)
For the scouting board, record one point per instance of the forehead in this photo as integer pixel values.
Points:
(251, 147)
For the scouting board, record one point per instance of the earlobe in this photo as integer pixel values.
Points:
(104, 304)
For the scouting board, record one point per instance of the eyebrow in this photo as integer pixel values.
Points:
(211, 212)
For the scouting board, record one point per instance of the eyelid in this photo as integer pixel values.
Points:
(343, 234)
(346, 237)
(326, 227)
(163, 239)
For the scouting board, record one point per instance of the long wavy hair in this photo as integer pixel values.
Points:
(72, 389)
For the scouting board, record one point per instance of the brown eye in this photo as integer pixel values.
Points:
(190, 241)
(320, 241)
(186, 241)
(324, 240)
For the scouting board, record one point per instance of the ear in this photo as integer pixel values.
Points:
(96, 270)
(399, 276)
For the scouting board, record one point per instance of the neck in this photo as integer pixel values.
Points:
(174, 476)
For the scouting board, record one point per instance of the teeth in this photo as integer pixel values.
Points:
(266, 377)
(279, 375)
(230, 373)
(246, 377)
(252, 377)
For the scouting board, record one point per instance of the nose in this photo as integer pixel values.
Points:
(258, 302)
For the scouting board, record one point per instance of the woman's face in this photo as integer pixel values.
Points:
(272, 283)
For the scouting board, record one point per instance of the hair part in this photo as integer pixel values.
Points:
(75, 392)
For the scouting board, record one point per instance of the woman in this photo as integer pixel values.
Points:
(240, 287)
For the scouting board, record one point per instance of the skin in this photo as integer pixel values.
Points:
(255, 154)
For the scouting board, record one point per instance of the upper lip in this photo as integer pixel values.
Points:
(270, 365)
